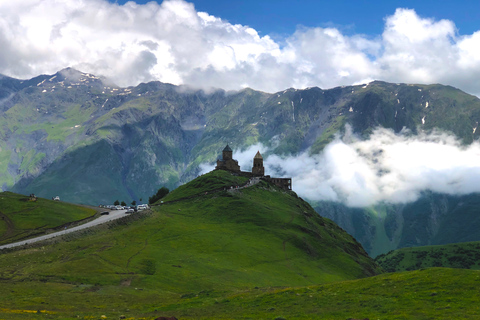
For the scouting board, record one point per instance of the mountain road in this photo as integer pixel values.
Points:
(113, 215)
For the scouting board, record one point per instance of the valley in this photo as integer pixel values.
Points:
(81, 137)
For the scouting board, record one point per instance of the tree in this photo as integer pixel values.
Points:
(134, 203)
(162, 192)
(123, 204)
(116, 203)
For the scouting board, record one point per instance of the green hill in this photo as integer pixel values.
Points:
(459, 255)
(213, 244)
(21, 218)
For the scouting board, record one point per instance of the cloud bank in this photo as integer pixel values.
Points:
(172, 42)
(388, 167)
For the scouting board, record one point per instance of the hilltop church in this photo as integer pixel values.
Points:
(228, 163)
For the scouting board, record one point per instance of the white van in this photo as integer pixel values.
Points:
(141, 207)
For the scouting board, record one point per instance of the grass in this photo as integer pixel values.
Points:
(212, 181)
(185, 255)
(5, 176)
(255, 253)
(427, 294)
(437, 293)
(22, 218)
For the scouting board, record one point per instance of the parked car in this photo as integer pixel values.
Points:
(141, 207)
(130, 210)
(104, 213)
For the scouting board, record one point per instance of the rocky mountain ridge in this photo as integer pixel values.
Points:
(80, 137)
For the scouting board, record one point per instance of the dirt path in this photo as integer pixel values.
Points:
(10, 227)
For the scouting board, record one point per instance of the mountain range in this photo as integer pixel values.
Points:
(83, 138)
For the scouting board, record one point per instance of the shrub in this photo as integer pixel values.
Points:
(162, 192)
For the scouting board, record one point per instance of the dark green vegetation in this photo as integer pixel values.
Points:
(162, 192)
(434, 219)
(23, 218)
(464, 255)
(208, 248)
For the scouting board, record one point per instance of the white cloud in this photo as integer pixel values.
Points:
(172, 42)
(387, 167)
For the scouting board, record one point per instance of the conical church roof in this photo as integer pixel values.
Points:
(227, 148)
(258, 156)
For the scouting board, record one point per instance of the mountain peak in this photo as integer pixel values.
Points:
(69, 77)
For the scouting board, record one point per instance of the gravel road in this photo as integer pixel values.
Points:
(115, 214)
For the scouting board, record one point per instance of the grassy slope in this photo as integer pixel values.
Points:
(437, 293)
(459, 255)
(212, 181)
(426, 294)
(220, 244)
(22, 218)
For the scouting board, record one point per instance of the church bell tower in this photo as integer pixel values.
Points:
(258, 168)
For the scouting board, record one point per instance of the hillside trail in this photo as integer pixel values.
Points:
(250, 183)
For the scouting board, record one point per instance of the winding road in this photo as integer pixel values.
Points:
(113, 215)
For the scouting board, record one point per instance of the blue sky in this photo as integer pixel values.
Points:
(280, 17)
(265, 45)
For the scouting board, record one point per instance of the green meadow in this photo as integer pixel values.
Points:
(209, 253)
(21, 218)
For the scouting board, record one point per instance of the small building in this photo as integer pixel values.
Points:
(227, 162)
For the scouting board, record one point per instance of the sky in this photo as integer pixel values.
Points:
(271, 46)
(280, 18)
(264, 45)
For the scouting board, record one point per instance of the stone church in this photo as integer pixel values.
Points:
(227, 162)
(258, 170)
